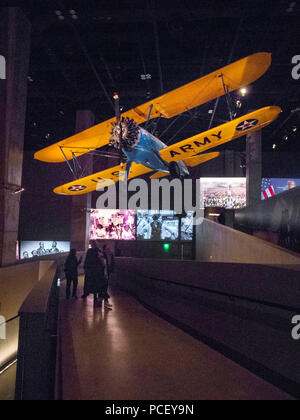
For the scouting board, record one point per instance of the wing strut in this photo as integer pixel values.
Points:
(227, 96)
(69, 165)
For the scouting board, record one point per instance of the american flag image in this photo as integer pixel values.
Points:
(267, 189)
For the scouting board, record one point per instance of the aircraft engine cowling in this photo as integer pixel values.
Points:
(130, 135)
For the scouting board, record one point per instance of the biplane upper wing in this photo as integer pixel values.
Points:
(192, 147)
(189, 96)
(100, 180)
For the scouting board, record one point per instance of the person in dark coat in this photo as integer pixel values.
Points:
(110, 262)
(71, 271)
(94, 281)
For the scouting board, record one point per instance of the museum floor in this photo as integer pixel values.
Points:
(130, 353)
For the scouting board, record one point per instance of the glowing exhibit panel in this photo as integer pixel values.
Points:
(112, 224)
(228, 193)
(157, 225)
(274, 186)
(31, 249)
(187, 227)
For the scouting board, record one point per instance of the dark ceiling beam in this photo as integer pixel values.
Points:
(46, 19)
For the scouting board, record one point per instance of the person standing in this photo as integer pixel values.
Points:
(94, 281)
(110, 263)
(71, 271)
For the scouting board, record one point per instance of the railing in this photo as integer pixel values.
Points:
(38, 340)
(8, 357)
(230, 296)
(9, 342)
(243, 311)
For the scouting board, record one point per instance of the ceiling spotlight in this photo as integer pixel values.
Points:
(294, 129)
(285, 138)
(75, 17)
(238, 104)
(274, 146)
(61, 17)
(72, 12)
(244, 91)
(58, 12)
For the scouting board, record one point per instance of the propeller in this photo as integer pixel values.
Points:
(124, 135)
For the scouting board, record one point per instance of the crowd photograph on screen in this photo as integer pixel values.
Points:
(32, 249)
(112, 224)
(228, 193)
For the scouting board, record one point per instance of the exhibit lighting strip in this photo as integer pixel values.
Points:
(8, 366)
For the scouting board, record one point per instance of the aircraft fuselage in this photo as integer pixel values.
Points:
(146, 152)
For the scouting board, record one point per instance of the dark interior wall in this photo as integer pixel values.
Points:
(281, 165)
(279, 217)
(44, 215)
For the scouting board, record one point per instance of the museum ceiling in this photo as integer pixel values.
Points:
(82, 52)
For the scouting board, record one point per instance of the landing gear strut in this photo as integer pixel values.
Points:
(174, 169)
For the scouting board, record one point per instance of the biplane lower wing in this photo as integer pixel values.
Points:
(100, 180)
(225, 133)
(189, 96)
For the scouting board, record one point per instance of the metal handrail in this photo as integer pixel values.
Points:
(224, 294)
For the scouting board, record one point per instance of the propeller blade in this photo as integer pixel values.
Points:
(118, 116)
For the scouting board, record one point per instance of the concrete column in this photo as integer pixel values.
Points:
(14, 61)
(80, 217)
(229, 163)
(254, 167)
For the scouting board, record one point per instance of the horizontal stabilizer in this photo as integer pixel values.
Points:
(159, 175)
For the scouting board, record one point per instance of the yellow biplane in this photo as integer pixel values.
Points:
(140, 152)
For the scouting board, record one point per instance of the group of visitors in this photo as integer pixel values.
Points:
(98, 266)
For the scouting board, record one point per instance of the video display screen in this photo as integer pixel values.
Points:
(187, 227)
(274, 186)
(112, 224)
(157, 225)
(32, 249)
(153, 225)
(228, 193)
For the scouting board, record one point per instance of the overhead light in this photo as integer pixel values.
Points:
(61, 17)
(294, 129)
(244, 91)
(274, 146)
(72, 12)
(238, 104)
(214, 215)
(285, 138)
(58, 12)
(75, 17)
